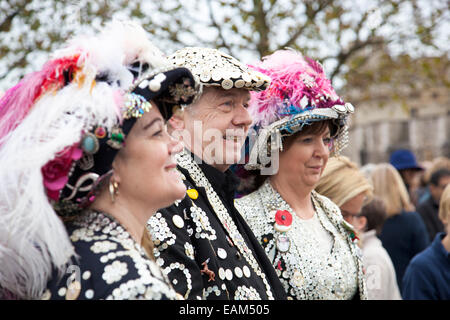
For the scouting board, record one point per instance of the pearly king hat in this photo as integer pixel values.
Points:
(215, 68)
(299, 94)
(60, 129)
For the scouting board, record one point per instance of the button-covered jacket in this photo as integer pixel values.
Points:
(205, 247)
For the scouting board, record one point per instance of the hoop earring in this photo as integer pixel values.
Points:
(113, 189)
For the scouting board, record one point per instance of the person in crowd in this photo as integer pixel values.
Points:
(301, 120)
(82, 146)
(380, 273)
(405, 162)
(404, 233)
(429, 209)
(202, 243)
(422, 190)
(427, 276)
(367, 169)
(423, 194)
(344, 184)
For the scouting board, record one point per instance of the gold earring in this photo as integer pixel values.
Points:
(113, 189)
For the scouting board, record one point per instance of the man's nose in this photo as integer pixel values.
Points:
(242, 116)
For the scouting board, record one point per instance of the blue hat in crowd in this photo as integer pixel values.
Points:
(404, 159)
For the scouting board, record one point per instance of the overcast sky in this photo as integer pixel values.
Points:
(199, 10)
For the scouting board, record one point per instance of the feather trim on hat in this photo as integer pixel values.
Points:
(27, 91)
(298, 84)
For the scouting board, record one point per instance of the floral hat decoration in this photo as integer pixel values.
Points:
(299, 94)
(60, 129)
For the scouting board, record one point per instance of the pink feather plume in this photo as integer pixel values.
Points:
(293, 78)
(17, 101)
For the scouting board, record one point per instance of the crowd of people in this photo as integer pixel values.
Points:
(122, 178)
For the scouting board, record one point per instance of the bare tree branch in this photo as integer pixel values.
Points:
(219, 29)
(263, 29)
(358, 45)
(343, 57)
(311, 16)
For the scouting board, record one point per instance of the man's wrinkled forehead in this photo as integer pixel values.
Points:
(219, 93)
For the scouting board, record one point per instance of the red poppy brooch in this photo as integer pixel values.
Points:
(283, 220)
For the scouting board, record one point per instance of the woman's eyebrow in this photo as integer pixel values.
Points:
(151, 123)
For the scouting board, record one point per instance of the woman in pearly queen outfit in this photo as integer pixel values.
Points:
(82, 146)
(300, 120)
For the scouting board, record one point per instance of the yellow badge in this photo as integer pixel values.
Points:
(192, 193)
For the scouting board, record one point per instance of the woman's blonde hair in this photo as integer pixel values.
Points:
(342, 180)
(444, 205)
(389, 186)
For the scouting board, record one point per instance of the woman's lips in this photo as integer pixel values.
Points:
(170, 166)
(316, 168)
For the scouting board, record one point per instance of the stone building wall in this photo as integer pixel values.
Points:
(421, 124)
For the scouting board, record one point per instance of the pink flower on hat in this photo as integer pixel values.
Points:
(56, 171)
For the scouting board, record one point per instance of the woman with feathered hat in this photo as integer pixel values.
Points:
(299, 120)
(82, 146)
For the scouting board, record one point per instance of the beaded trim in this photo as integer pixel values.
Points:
(185, 161)
(161, 233)
(148, 74)
(135, 106)
(215, 68)
(269, 138)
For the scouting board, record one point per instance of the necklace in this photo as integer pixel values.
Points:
(186, 162)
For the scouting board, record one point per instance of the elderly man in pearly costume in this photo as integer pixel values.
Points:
(202, 243)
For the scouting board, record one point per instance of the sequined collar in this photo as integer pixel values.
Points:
(276, 202)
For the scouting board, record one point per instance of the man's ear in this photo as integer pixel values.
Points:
(176, 122)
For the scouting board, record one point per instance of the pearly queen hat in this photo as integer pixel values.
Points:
(298, 95)
(215, 68)
(60, 130)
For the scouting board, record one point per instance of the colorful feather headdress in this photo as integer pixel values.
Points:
(299, 93)
(63, 124)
